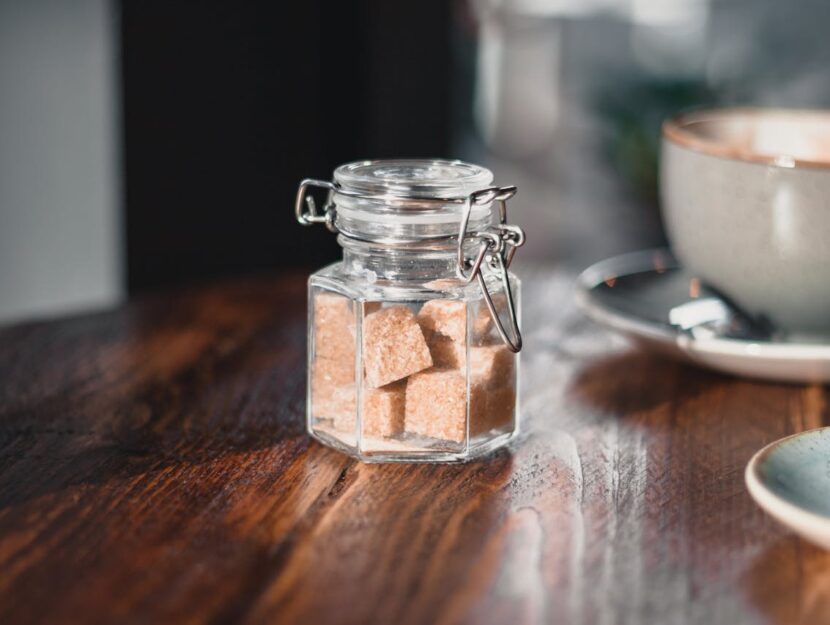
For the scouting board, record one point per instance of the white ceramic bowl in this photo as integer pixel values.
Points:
(746, 203)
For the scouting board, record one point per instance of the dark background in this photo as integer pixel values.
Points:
(150, 143)
(228, 105)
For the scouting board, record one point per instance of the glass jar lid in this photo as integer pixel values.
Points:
(408, 199)
(413, 178)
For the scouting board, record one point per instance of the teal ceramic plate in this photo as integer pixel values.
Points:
(790, 479)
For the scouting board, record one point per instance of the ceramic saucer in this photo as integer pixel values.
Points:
(790, 479)
(638, 294)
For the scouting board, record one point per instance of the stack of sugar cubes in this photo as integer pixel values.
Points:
(414, 370)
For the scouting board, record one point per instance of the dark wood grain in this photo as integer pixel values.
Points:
(154, 469)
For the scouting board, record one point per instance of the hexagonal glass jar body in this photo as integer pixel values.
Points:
(404, 359)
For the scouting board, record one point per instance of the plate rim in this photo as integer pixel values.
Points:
(786, 512)
(626, 264)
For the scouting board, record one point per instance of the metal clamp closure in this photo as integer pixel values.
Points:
(311, 216)
(480, 198)
(514, 342)
(497, 247)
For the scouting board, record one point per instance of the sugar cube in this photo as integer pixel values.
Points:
(327, 372)
(334, 327)
(337, 403)
(383, 411)
(492, 365)
(497, 410)
(446, 317)
(436, 404)
(393, 346)
(447, 353)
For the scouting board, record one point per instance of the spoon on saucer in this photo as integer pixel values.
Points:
(652, 299)
(713, 315)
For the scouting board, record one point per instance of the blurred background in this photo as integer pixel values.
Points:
(147, 143)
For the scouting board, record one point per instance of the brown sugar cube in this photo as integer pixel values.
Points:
(492, 365)
(494, 411)
(326, 372)
(383, 411)
(446, 353)
(334, 330)
(449, 318)
(393, 346)
(370, 307)
(346, 418)
(483, 326)
(337, 403)
(436, 404)
(501, 406)
(492, 374)
(446, 317)
(332, 388)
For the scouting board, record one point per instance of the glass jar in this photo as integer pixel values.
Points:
(413, 337)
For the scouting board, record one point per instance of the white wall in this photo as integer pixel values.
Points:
(60, 213)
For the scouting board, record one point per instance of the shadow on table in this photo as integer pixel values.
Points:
(637, 381)
(790, 583)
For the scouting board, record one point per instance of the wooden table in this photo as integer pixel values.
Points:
(154, 469)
